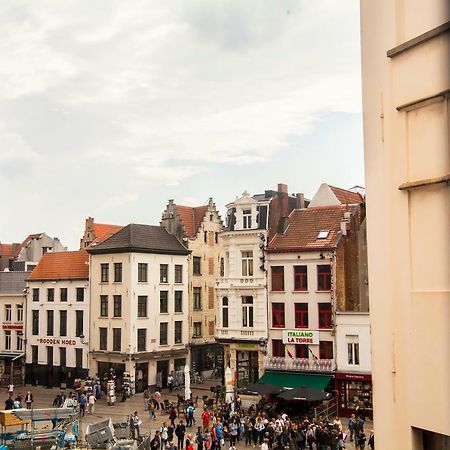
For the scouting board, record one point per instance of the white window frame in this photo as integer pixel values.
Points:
(248, 316)
(19, 340)
(7, 339)
(8, 313)
(246, 219)
(247, 263)
(19, 313)
(353, 356)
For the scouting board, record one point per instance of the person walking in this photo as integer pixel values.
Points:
(157, 399)
(137, 423)
(29, 400)
(156, 442)
(83, 402)
(190, 415)
(172, 416)
(164, 434)
(170, 383)
(352, 426)
(180, 431)
(151, 409)
(361, 441)
(371, 441)
(91, 403)
(199, 438)
(10, 389)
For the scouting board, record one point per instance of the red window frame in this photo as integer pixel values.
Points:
(302, 351)
(324, 277)
(278, 315)
(300, 278)
(278, 348)
(277, 278)
(301, 315)
(326, 349)
(325, 316)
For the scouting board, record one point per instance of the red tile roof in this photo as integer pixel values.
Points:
(103, 231)
(62, 266)
(347, 197)
(304, 227)
(10, 250)
(191, 218)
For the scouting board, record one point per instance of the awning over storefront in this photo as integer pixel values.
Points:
(11, 355)
(294, 380)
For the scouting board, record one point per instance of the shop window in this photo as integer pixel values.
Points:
(301, 315)
(247, 312)
(197, 265)
(353, 350)
(302, 351)
(225, 312)
(197, 298)
(103, 306)
(142, 272)
(278, 316)
(247, 263)
(277, 278)
(325, 315)
(178, 273)
(118, 272)
(324, 277)
(164, 302)
(326, 349)
(300, 278)
(278, 348)
(104, 272)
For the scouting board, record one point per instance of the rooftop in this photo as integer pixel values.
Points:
(347, 197)
(13, 282)
(191, 218)
(62, 266)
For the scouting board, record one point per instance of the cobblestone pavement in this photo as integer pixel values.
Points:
(43, 398)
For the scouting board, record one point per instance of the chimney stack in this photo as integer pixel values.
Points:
(282, 188)
(300, 202)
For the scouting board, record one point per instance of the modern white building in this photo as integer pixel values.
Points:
(139, 305)
(57, 319)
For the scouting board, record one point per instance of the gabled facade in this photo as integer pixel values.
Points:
(241, 324)
(58, 319)
(198, 228)
(94, 233)
(139, 307)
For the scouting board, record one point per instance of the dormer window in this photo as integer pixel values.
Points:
(323, 234)
(246, 218)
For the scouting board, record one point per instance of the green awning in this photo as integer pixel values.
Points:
(294, 380)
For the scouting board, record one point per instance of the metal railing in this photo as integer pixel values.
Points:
(299, 364)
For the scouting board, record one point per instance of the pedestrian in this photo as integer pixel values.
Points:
(17, 404)
(9, 403)
(352, 426)
(264, 445)
(180, 431)
(151, 409)
(206, 417)
(371, 441)
(10, 389)
(164, 433)
(190, 415)
(189, 442)
(137, 423)
(91, 403)
(199, 438)
(156, 442)
(170, 383)
(172, 415)
(233, 432)
(29, 400)
(361, 441)
(82, 402)
(157, 398)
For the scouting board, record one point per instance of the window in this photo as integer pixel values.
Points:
(7, 339)
(324, 277)
(104, 272)
(216, 237)
(62, 356)
(325, 315)
(246, 218)
(142, 339)
(103, 338)
(163, 273)
(34, 354)
(164, 302)
(117, 306)
(196, 265)
(80, 294)
(278, 347)
(353, 350)
(278, 320)
(46, 249)
(35, 294)
(222, 267)
(63, 323)
(50, 295)
(326, 349)
(178, 331)
(35, 322)
(197, 298)
(300, 278)
(50, 323)
(103, 306)
(49, 356)
(225, 312)
(323, 234)
(163, 333)
(78, 357)
(302, 351)
(247, 263)
(117, 272)
(178, 273)
(117, 339)
(142, 306)
(205, 236)
(8, 313)
(178, 301)
(19, 336)
(301, 315)
(278, 278)
(142, 272)
(63, 295)
(79, 323)
(197, 329)
(19, 313)
(247, 312)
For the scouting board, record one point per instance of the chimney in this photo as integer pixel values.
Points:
(282, 188)
(282, 225)
(300, 201)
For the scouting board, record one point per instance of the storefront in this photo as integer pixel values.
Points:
(354, 391)
(206, 358)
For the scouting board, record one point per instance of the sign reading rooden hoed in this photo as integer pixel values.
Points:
(52, 341)
(300, 337)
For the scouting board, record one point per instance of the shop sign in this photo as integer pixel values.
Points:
(52, 341)
(246, 347)
(13, 326)
(354, 376)
(310, 337)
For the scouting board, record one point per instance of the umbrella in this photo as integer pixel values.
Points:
(304, 393)
(187, 383)
(229, 388)
(264, 389)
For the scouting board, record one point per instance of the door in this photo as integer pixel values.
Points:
(141, 377)
(162, 368)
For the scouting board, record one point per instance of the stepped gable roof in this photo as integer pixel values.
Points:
(191, 218)
(302, 233)
(347, 197)
(142, 239)
(103, 231)
(62, 266)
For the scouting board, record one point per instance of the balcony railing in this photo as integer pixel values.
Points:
(240, 282)
(299, 364)
(252, 334)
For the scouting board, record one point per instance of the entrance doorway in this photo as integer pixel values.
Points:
(162, 370)
(141, 377)
(247, 368)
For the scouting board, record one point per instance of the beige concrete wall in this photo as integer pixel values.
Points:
(408, 230)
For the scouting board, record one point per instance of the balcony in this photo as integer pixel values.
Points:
(240, 282)
(240, 334)
(299, 364)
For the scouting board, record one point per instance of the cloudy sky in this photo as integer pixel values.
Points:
(109, 108)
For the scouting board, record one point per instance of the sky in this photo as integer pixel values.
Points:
(109, 108)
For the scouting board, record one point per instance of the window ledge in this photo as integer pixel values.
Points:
(301, 291)
(197, 274)
(164, 283)
(325, 329)
(143, 282)
(117, 282)
(323, 291)
(278, 292)
(115, 317)
(178, 312)
(142, 317)
(103, 317)
(165, 313)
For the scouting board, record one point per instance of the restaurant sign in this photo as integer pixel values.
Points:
(308, 337)
(52, 341)
(12, 326)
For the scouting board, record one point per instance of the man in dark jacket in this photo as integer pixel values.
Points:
(9, 404)
(180, 431)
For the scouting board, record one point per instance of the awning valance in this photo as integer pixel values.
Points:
(294, 380)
